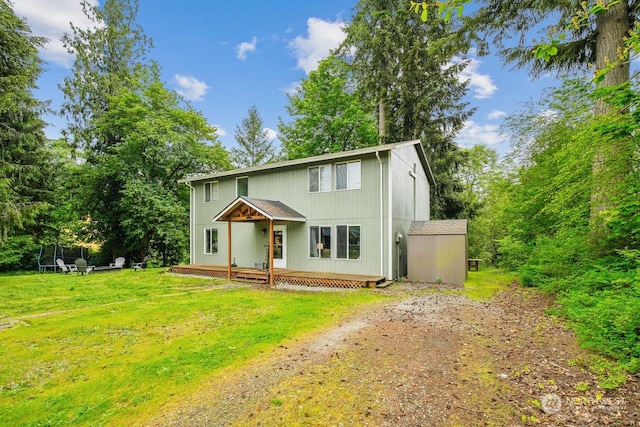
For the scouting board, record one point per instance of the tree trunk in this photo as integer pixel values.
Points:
(609, 160)
(382, 121)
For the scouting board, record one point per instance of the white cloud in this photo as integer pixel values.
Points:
(473, 134)
(190, 87)
(220, 131)
(496, 115)
(291, 88)
(322, 36)
(271, 134)
(51, 19)
(481, 84)
(246, 47)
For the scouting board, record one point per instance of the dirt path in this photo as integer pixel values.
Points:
(429, 359)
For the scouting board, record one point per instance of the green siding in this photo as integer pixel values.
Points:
(336, 207)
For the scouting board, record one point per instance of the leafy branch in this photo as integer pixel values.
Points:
(445, 9)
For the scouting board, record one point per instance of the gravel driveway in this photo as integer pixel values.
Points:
(427, 359)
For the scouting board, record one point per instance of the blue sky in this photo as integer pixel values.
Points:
(226, 56)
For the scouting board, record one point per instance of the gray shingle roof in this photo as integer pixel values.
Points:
(275, 209)
(272, 209)
(447, 226)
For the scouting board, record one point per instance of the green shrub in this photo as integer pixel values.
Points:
(603, 306)
(19, 253)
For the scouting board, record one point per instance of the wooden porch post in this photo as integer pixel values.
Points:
(271, 242)
(229, 250)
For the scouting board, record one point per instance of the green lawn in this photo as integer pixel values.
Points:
(484, 284)
(110, 348)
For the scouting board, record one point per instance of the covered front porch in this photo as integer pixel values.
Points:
(282, 276)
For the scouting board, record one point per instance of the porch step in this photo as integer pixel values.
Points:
(384, 284)
(250, 276)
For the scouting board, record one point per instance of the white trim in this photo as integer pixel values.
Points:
(359, 259)
(322, 159)
(242, 177)
(204, 191)
(390, 239)
(281, 263)
(381, 201)
(192, 223)
(349, 187)
(333, 241)
(217, 240)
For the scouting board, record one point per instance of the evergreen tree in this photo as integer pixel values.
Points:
(23, 167)
(407, 69)
(108, 56)
(253, 140)
(594, 33)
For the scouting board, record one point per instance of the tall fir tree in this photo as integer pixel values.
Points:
(592, 34)
(108, 56)
(23, 167)
(412, 74)
(255, 147)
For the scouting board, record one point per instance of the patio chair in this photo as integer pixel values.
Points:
(140, 265)
(81, 265)
(63, 268)
(66, 268)
(119, 262)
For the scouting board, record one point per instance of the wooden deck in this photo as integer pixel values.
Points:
(282, 276)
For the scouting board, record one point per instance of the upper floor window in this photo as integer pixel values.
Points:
(211, 192)
(242, 186)
(319, 179)
(348, 176)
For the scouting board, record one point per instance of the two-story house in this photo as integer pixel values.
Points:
(346, 212)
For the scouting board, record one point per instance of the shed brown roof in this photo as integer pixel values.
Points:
(440, 227)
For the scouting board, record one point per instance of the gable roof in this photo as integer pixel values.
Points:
(249, 209)
(319, 159)
(439, 227)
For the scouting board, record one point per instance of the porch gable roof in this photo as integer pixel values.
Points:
(251, 210)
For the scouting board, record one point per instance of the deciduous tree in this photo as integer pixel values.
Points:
(137, 137)
(328, 116)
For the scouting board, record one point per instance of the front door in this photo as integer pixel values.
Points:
(280, 246)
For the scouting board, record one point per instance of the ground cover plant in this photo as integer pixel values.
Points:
(111, 348)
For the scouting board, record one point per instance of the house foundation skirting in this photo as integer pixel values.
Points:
(282, 276)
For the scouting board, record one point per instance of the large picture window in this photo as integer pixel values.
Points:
(242, 186)
(319, 242)
(211, 241)
(348, 245)
(211, 192)
(348, 176)
(319, 179)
